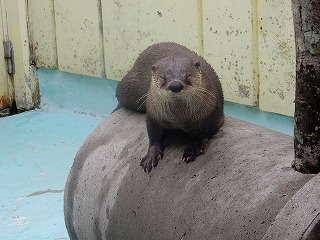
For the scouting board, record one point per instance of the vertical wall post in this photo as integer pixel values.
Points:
(25, 79)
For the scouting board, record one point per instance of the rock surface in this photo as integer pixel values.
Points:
(234, 191)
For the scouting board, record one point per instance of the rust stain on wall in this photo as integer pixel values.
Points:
(4, 102)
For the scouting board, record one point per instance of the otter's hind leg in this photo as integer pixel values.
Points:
(155, 150)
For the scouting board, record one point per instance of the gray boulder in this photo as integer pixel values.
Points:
(243, 187)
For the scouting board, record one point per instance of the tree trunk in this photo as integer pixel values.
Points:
(306, 16)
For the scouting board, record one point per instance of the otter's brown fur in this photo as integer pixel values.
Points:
(178, 90)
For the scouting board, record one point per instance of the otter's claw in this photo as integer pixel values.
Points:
(151, 159)
(192, 151)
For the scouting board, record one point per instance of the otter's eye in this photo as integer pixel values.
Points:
(162, 82)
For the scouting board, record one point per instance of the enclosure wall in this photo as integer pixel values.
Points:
(250, 43)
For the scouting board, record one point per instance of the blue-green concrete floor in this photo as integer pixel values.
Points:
(38, 148)
(37, 151)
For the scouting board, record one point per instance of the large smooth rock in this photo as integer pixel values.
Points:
(234, 191)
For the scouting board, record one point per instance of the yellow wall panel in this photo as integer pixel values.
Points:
(79, 37)
(131, 26)
(277, 57)
(42, 33)
(229, 47)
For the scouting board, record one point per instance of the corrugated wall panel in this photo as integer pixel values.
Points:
(277, 57)
(131, 26)
(43, 33)
(79, 37)
(228, 43)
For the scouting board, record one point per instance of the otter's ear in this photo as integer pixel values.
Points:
(153, 68)
(197, 64)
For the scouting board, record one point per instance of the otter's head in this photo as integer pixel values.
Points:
(178, 92)
(175, 75)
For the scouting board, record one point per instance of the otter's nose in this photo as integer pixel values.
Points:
(175, 86)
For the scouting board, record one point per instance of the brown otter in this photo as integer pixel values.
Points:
(178, 90)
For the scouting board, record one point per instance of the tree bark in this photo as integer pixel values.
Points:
(306, 16)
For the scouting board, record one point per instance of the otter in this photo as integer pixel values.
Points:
(178, 90)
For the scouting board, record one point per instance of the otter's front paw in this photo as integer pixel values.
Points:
(192, 151)
(151, 159)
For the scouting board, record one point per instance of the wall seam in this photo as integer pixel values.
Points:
(102, 56)
(55, 34)
(4, 24)
(200, 28)
(256, 25)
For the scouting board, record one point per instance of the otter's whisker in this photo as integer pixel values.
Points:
(205, 99)
(200, 89)
(141, 104)
(143, 96)
(145, 99)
